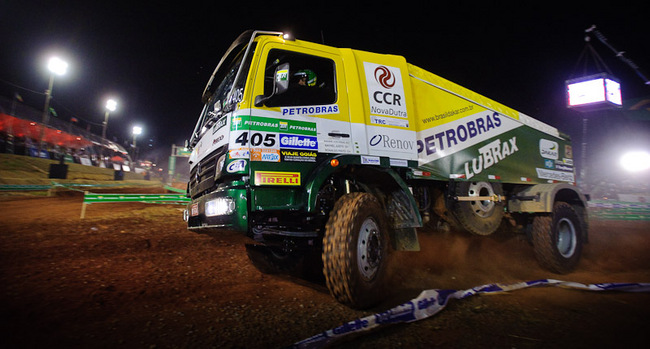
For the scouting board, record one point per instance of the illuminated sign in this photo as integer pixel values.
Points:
(594, 92)
(277, 178)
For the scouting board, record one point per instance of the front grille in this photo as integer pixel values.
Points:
(202, 176)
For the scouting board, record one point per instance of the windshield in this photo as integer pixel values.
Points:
(222, 92)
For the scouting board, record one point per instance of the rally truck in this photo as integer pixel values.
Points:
(312, 150)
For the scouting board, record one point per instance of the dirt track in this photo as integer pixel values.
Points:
(131, 275)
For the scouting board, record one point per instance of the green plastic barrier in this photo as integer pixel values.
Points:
(91, 198)
(23, 187)
(619, 210)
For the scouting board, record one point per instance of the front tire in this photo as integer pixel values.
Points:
(355, 250)
(557, 239)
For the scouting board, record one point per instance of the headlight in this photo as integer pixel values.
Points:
(219, 207)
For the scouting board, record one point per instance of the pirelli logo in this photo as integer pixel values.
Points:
(277, 178)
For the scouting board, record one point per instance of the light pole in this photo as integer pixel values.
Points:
(136, 131)
(111, 105)
(56, 67)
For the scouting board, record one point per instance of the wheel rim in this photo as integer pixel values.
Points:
(482, 208)
(369, 249)
(566, 237)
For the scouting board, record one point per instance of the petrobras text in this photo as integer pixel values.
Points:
(460, 134)
(311, 110)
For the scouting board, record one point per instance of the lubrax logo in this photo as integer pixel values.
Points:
(384, 141)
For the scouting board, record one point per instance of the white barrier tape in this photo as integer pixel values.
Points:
(430, 302)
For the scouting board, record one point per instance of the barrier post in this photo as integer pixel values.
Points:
(83, 206)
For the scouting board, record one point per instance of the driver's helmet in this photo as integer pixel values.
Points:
(308, 74)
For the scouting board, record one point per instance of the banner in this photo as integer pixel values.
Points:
(430, 302)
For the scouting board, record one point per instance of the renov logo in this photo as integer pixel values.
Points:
(384, 141)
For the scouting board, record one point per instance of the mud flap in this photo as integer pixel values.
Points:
(404, 220)
(404, 239)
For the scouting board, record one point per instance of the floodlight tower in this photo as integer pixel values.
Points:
(56, 66)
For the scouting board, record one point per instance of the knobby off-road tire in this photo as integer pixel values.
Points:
(480, 217)
(557, 238)
(355, 250)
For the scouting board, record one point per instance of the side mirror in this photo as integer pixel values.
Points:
(280, 84)
(281, 81)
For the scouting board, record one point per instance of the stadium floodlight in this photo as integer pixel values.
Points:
(635, 161)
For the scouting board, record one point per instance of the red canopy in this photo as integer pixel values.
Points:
(26, 128)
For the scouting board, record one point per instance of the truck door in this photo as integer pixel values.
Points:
(310, 116)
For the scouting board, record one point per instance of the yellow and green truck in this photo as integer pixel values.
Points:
(312, 150)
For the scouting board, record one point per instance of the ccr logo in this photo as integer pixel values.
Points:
(384, 77)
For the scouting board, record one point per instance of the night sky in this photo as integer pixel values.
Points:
(155, 59)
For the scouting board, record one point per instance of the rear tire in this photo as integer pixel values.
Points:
(557, 238)
(480, 217)
(355, 250)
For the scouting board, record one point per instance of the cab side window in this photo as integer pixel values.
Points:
(311, 79)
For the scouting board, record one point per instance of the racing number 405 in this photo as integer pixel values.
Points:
(256, 139)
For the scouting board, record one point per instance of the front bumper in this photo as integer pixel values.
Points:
(223, 209)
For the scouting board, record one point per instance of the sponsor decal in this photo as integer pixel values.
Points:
(448, 114)
(298, 156)
(311, 110)
(568, 151)
(399, 163)
(218, 139)
(370, 160)
(264, 124)
(236, 122)
(548, 149)
(384, 77)
(277, 178)
(490, 154)
(457, 134)
(385, 90)
(565, 161)
(555, 175)
(548, 163)
(385, 121)
(239, 153)
(219, 124)
(282, 75)
(236, 166)
(563, 167)
(263, 154)
(298, 142)
(386, 142)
